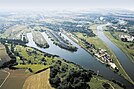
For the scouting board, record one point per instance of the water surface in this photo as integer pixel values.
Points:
(80, 57)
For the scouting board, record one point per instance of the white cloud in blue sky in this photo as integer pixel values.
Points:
(66, 4)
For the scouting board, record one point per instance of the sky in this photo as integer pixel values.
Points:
(67, 4)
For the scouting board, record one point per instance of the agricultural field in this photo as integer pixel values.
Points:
(3, 55)
(15, 79)
(38, 81)
(3, 75)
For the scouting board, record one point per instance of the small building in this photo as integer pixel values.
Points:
(126, 38)
(97, 55)
(112, 65)
(124, 30)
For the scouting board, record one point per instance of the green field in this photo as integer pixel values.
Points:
(97, 83)
(33, 67)
(93, 27)
(35, 60)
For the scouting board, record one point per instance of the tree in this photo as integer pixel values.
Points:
(106, 85)
(55, 81)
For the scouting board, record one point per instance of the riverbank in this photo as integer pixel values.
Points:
(87, 61)
(124, 64)
(121, 45)
(66, 68)
(99, 44)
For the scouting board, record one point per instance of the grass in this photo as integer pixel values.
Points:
(99, 44)
(34, 67)
(93, 27)
(96, 83)
(121, 45)
(94, 40)
(33, 56)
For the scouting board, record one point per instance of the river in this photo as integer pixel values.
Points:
(123, 59)
(80, 57)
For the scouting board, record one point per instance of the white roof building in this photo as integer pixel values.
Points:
(112, 65)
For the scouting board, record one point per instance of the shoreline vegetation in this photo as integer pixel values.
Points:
(121, 45)
(122, 48)
(95, 41)
(60, 69)
(60, 41)
(122, 71)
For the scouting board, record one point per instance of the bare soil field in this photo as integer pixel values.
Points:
(15, 80)
(38, 81)
(3, 75)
